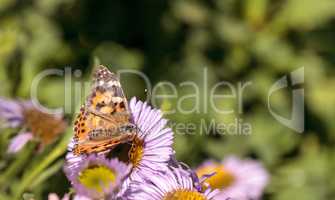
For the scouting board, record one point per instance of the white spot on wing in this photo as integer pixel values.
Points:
(113, 83)
(117, 99)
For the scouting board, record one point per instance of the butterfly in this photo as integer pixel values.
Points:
(104, 120)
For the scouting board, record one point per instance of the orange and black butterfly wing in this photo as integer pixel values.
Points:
(107, 98)
(100, 146)
(105, 108)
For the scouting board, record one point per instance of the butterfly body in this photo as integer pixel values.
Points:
(104, 120)
(103, 134)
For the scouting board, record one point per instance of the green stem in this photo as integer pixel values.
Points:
(17, 165)
(47, 174)
(31, 175)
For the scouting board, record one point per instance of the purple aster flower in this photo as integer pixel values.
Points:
(239, 179)
(174, 184)
(95, 176)
(11, 113)
(35, 124)
(151, 149)
(12, 116)
(18, 142)
(73, 161)
(152, 146)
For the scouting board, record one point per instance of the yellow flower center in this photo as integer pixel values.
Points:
(97, 178)
(222, 179)
(136, 152)
(183, 194)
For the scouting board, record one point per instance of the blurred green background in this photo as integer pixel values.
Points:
(236, 40)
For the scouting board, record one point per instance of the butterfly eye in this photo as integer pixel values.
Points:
(128, 128)
(131, 127)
